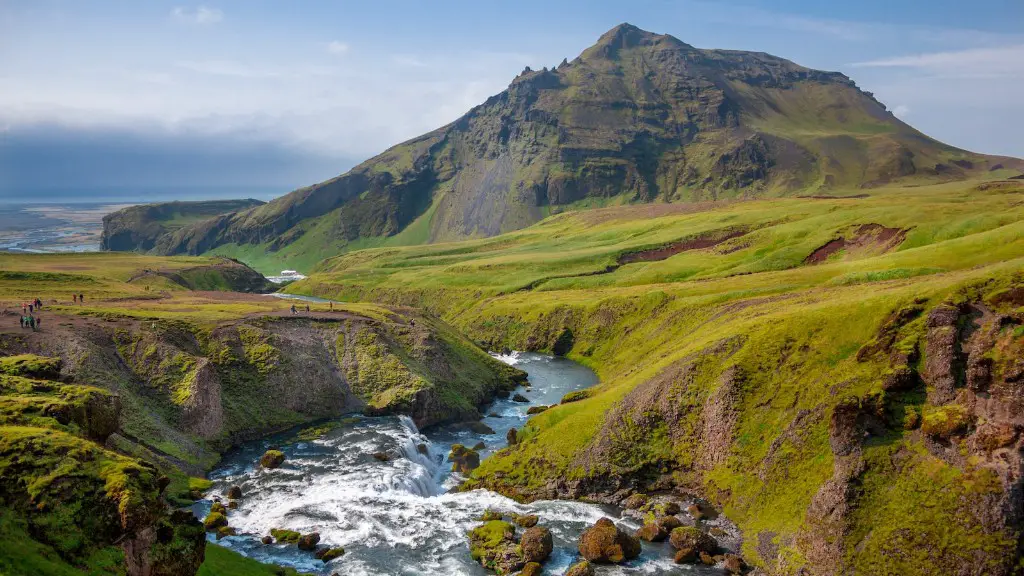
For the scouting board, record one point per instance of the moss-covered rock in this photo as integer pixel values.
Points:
(536, 544)
(691, 538)
(31, 365)
(493, 545)
(332, 553)
(463, 459)
(285, 536)
(945, 421)
(309, 541)
(525, 520)
(272, 459)
(580, 569)
(606, 543)
(215, 521)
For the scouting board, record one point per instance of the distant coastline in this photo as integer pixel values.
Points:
(65, 220)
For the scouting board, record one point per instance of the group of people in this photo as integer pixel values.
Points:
(296, 310)
(28, 314)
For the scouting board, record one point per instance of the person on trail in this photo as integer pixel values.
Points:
(331, 305)
(39, 323)
(294, 311)
(32, 322)
(307, 308)
(24, 308)
(81, 298)
(22, 321)
(75, 298)
(30, 308)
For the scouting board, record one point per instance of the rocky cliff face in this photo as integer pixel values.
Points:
(638, 117)
(193, 391)
(136, 228)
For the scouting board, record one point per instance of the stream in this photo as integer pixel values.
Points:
(401, 516)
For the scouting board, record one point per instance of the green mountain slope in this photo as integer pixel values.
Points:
(638, 117)
(841, 376)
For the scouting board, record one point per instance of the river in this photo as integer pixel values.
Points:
(400, 516)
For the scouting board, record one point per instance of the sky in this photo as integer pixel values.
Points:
(277, 94)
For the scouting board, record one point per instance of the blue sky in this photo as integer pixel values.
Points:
(309, 88)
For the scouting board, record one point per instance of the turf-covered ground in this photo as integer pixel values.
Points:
(776, 298)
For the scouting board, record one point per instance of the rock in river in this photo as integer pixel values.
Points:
(606, 543)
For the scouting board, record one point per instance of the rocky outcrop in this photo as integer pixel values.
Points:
(137, 228)
(74, 498)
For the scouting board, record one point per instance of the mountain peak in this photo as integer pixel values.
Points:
(626, 35)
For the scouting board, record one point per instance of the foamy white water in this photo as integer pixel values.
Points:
(399, 516)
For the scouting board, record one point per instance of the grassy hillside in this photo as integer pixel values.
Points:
(839, 374)
(111, 409)
(636, 118)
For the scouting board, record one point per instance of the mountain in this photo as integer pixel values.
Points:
(137, 228)
(638, 117)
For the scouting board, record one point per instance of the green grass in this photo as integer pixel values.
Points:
(750, 304)
(223, 562)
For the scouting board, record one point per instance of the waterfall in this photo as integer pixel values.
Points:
(422, 474)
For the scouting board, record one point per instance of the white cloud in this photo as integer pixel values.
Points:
(974, 62)
(337, 48)
(901, 110)
(201, 15)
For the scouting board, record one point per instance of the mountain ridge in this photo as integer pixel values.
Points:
(637, 117)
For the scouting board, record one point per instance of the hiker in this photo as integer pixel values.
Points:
(32, 322)
(39, 323)
(24, 308)
(22, 321)
(30, 308)
(331, 304)
(75, 298)
(294, 311)
(39, 304)
(307, 308)
(81, 298)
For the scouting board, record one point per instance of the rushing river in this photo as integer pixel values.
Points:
(399, 516)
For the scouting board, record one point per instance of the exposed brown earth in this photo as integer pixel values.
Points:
(863, 238)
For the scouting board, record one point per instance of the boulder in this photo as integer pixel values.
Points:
(489, 515)
(480, 428)
(219, 508)
(685, 556)
(493, 545)
(734, 564)
(463, 459)
(536, 544)
(536, 409)
(267, 540)
(214, 521)
(233, 505)
(520, 398)
(580, 569)
(285, 536)
(382, 456)
(225, 531)
(606, 543)
(332, 553)
(688, 537)
(531, 569)
(512, 437)
(422, 449)
(668, 523)
(309, 541)
(479, 446)
(635, 502)
(695, 512)
(526, 520)
(272, 459)
(235, 492)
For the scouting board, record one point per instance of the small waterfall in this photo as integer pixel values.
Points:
(512, 358)
(420, 479)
